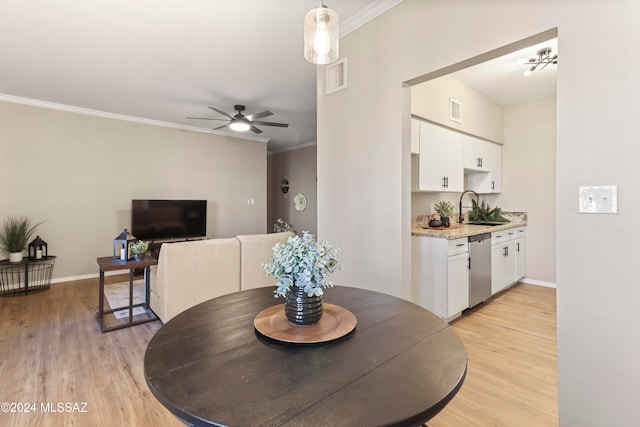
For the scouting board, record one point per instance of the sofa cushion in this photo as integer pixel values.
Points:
(256, 249)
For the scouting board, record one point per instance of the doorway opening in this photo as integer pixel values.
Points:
(521, 122)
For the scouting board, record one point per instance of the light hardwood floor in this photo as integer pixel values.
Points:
(52, 351)
(512, 371)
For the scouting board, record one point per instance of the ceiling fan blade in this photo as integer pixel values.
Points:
(259, 115)
(280, 125)
(222, 127)
(204, 118)
(255, 129)
(221, 112)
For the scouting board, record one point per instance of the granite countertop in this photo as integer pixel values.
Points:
(456, 231)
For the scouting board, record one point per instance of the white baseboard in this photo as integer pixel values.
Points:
(87, 276)
(538, 283)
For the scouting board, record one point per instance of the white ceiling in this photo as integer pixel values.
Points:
(502, 79)
(165, 61)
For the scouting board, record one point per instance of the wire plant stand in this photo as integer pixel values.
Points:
(25, 277)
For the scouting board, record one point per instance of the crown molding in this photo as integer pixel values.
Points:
(365, 15)
(295, 147)
(115, 116)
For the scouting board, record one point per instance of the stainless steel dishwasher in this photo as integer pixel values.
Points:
(479, 268)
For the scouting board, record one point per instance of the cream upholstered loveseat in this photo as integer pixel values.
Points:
(191, 272)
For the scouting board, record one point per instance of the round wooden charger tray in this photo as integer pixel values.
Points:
(335, 323)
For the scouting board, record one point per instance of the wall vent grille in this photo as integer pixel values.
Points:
(336, 76)
(455, 110)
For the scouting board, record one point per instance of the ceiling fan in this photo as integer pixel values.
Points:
(241, 123)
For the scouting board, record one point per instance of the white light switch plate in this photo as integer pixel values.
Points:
(598, 199)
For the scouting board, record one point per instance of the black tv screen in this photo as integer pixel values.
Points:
(168, 219)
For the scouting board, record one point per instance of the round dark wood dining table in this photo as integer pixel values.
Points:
(399, 367)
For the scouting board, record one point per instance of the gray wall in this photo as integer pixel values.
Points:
(78, 173)
(368, 124)
(299, 167)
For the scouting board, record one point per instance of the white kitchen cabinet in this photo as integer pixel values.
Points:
(503, 266)
(457, 284)
(475, 154)
(440, 163)
(440, 275)
(521, 255)
(415, 136)
(483, 165)
(508, 262)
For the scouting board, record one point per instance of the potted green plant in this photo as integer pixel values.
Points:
(281, 225)
(300, 265)
(445, 209)
(484, 213)
(15, 235)
(139, 248)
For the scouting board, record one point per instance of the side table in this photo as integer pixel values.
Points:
(110, 263)
(26, 276)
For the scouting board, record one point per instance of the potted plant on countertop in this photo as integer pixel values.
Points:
(300, 265)
(485, 214)
(445, 209)
(15, 235)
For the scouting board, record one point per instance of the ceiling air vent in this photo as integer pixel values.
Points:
(337, 76)
(455, 110)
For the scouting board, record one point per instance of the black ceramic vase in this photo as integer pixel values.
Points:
(301, 309)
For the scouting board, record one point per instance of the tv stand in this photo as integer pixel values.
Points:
(154, 245)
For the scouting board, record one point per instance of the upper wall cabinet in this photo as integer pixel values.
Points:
(415, 136)
(440, 163)
(475, 154)
(483, 165)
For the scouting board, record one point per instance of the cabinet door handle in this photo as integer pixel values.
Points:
(469, 263)
(493, 186)
(460, 244)
(479, 162)
(517, 246)
(505, 251)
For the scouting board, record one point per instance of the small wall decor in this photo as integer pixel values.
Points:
(38, 249)
(122, 246)
(300, 202)
(284, 186)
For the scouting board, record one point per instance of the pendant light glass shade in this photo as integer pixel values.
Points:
(321, 34)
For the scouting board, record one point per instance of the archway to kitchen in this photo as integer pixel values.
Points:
(524, 125)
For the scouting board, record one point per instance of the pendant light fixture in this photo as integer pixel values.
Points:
(321, 28)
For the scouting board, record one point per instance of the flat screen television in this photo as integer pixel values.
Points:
(168, 219)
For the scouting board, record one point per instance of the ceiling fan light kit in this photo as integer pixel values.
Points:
(321, 34)
(241, 123)
(542, 59)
